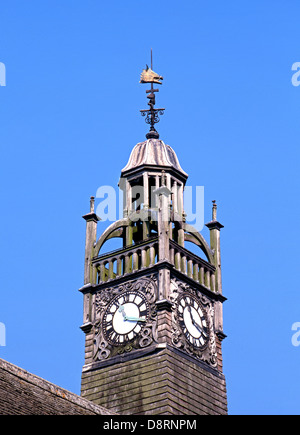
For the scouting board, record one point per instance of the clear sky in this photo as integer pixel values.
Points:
(69, 118)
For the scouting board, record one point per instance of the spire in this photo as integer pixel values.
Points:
(152, 118)
(214, 211)
(214, 224)
(92, 204)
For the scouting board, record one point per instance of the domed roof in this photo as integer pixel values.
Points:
(153, 152)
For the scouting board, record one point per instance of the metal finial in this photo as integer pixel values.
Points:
(152, 118)
(214, 211)
(92, 204)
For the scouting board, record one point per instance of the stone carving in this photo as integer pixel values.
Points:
(146, 286)
(101, 347)
(147, 336)
(208, 353)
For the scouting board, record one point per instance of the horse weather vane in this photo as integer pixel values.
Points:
(152, 118)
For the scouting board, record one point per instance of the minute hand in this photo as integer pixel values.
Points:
(135, 319)
(197, 326)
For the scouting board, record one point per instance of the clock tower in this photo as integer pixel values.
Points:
(153, 318)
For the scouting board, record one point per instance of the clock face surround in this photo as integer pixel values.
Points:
(193, 321)
(125, 317)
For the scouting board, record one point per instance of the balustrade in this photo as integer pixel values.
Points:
(145, 254)
(129, 259)
(192, 265)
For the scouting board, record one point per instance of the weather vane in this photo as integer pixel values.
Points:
(152, 118)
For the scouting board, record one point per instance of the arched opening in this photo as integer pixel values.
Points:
(195, 249)
(111, 245)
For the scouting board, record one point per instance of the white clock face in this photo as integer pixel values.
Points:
(193, 321)
(125, 317)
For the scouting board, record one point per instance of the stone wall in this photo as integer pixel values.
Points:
(163, 383)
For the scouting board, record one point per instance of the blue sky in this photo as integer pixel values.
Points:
(69, 118)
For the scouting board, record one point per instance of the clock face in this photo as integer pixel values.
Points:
(193, 321)
(124, 317)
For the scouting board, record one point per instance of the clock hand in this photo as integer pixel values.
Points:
(200, 329)
(190, 311)
(122, 310)
(191, 315)
(130, 319)
(135, 319)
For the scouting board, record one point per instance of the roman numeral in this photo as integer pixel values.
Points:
(109, 332)
(126, 298)
(125, 337)
(196, 342)
(113, 309)
(117, 338)
(143, 313)
(109, 323)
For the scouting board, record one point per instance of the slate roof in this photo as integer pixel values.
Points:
(22, 393)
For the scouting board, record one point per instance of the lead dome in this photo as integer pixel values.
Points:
(153, 152)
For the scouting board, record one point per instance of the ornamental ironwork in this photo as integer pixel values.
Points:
(152, 114)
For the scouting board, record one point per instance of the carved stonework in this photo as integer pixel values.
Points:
(206, 349)
(107, 343)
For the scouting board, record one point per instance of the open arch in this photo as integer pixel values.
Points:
(192, 235)
(114, 230)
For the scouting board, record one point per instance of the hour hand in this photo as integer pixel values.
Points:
(122, 310)
(200, 329)
(197, 326)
